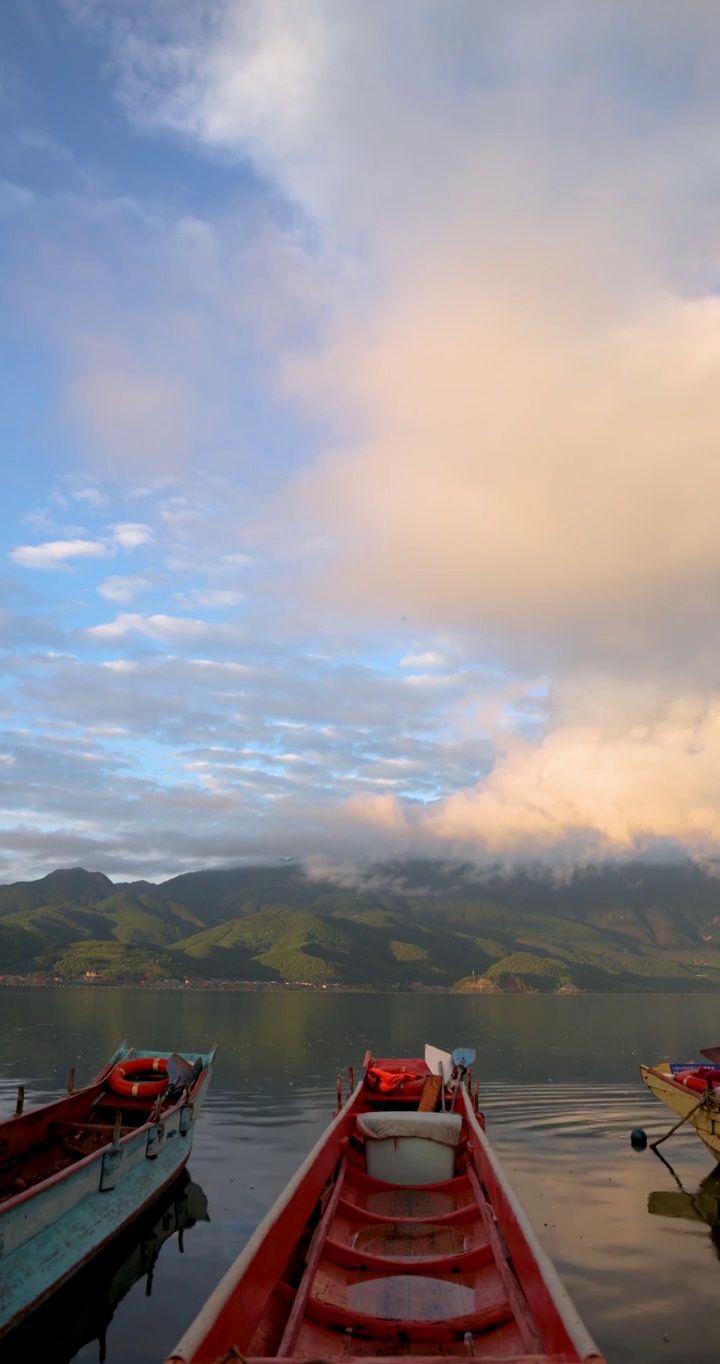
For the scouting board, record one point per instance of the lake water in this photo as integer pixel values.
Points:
(559, 1087)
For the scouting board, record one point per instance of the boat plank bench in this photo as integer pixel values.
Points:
(399, 1235)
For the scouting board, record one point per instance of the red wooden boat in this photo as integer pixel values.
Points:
(399, 1235)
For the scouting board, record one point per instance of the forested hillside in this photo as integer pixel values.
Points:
(608, 928)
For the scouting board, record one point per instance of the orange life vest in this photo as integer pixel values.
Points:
(389, 1080)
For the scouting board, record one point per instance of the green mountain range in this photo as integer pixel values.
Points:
(633, 927)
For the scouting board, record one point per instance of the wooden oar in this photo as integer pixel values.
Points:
(654, 1144)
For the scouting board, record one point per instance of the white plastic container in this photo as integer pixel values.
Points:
(410, 1148)
(409, 1160)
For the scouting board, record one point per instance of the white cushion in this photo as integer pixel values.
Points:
(444, 1128)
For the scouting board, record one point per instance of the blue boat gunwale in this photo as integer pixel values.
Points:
(83, 1162)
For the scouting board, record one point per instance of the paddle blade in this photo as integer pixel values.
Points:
(463, 1057)
(434, 1059)
(179, 1070)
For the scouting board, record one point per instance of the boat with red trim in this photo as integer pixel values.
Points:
(77, 1171)
(692, 1091)
(399, 1235)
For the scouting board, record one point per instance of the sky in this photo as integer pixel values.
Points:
(360, 432)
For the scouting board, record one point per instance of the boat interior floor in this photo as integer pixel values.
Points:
(393, 1270)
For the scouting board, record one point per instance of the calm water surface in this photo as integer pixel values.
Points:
(560, 1090)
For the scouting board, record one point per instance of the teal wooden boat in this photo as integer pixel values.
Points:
(76, 1172)
(83, 1309)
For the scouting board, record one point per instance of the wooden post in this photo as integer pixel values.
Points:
(338, 1087)
(71, 1081)
(20, 1101)
(351, 1078)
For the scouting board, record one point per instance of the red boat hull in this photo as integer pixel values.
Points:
(347, 1265)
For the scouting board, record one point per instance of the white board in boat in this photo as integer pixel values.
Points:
(434, 1059)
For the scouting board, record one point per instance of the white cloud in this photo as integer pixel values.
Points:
(232, 77)
(427, 679)
(55, 553)
(168, 629)
(121, 589)
(38, 521)
(93, 496)
(237, 560)
(37, 140)
(597, 791)
(212, 598)
(582, 509)
(130, 534)
(14, 198)
(431, 659)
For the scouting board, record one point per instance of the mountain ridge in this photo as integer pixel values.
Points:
(397, 924)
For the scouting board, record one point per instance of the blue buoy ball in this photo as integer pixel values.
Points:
(638, 1139)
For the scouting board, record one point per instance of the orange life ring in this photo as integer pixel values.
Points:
(691, 1081)
(126, 1078)
(699, 1078)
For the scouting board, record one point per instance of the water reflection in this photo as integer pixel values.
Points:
(698, 1205)
(81, 1312)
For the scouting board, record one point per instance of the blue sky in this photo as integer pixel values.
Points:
(359, 411)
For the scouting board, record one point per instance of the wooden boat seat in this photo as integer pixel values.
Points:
(502, 1343)
(406, 1238)
(61, 1127)
(414, 1246)
(82, 1139)
(393, 1206)
(369, 1200)
(111, 1103)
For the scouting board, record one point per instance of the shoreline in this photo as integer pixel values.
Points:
(289, 987)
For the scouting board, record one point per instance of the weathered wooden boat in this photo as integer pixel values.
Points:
(83, 1309)
(399, 1235)
(692, 1091)
(73, 1173)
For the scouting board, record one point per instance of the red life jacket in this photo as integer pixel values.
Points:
(389, 1080)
